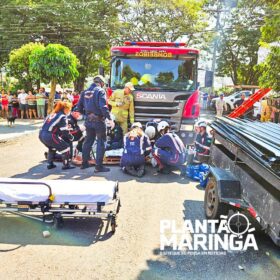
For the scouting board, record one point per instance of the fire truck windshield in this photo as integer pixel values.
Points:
(155, 74)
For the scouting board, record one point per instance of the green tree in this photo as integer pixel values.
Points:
(270, 70)
(19, 64)
(270, 30)
(87, 27)
(55, 64)
(163, 20)
(239, 44)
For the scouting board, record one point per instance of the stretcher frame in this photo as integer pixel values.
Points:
(53, 213)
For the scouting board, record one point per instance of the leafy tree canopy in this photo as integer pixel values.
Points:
(163, 20)
(240, 43)
(54, 63)
(19, 63)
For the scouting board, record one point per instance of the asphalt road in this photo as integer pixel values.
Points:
(84, 249)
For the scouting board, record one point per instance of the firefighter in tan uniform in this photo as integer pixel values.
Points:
(123, 106)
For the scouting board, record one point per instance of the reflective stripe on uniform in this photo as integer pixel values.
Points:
(56, 122)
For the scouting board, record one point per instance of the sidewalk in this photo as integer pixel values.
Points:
(21, 127)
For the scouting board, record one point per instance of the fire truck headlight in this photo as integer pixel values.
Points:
(186, 127)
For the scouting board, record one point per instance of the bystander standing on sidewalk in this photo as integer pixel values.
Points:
(220, 106)
(31, 103)
(15, 106)
(0, 105)
(41, 103)
(70, 96)
(76, 97)
(10, 97)
(23, 103)
(204, 100)
(5, 104)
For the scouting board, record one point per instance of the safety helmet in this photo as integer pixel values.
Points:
(130, 86)
(136, 124)
(202, 124)
(99, 79)
(150, 131)
(162, 125)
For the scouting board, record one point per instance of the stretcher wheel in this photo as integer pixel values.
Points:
(113, 224)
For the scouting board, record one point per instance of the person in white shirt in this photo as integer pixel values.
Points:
(220, 106)
(23, 103)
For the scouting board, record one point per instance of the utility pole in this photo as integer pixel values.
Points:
(217, 27)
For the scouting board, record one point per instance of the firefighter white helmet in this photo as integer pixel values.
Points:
(150, 131)
(202, 124)
(99, 79)
(136, 124)
(162, 125)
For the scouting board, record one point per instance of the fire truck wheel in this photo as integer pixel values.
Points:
(213, 208)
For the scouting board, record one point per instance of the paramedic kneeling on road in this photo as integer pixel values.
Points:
(169, 150)
(122, 105)
(202, 141)
(93, 102)
(136, 147)
(53, 133)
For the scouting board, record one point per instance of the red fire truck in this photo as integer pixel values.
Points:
(165, 78)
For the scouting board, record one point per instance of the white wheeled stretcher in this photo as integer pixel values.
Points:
(51, 201)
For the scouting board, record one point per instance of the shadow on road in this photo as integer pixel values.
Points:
(251, 264)
(40, 172)
(75, 232)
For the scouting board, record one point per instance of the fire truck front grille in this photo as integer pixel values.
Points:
(147, 111)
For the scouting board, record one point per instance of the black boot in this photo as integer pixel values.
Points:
(165, 170)
(51, 166)
(66, 161)
(131, 170)
(85, 165)
(101, 168)
(51, 156)
(140, 171)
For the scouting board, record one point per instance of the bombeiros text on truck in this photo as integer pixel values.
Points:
(165, 78)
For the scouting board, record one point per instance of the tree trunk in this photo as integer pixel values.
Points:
(79, 83)
(51, 96)
(38, 84)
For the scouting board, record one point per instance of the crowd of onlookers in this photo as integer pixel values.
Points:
(32, 104)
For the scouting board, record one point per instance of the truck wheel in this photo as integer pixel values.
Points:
(113, 225)
(212, 206)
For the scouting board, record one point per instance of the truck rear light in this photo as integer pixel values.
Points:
(252, 212)
(191, 108)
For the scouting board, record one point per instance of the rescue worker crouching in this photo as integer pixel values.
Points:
(93, 102)
(136, 147)
(76, 131)
(54, 132)
(123, 106)
(169, 150)
(203, 141)
(114, 137)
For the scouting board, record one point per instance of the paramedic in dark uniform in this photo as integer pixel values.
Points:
(136, 146)
(93, 103)
(76, 131)
(54, 133)
(202, 141)
(169, 150)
